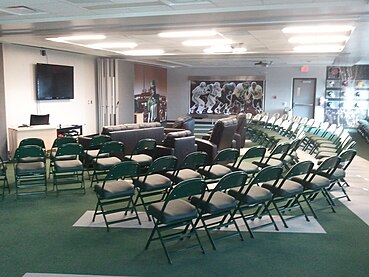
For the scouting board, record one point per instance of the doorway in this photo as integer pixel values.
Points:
(303, 97)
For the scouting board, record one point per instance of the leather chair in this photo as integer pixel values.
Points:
(183, 122)
(240, 134)
(221, 137)
(179, 144)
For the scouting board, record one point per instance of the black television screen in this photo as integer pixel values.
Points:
(54, 82)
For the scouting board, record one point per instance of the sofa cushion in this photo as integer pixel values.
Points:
(170, 137)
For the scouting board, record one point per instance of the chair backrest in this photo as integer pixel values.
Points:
(186, 189)
(303, 121)
(29, 151)
(270, 173)
(230, 180)
(326, 168)
(281, 150)
(223, 132)
(254, 152)
(226, 156)
(70, 149)
(162, 164)
(126, 169)
(301, 168)
(145, 146)
(38, 119)
(32, 141)
(97, 140)
(3, 167)
(346, 158)
(111, 147)
(195, 160)
(63, 140)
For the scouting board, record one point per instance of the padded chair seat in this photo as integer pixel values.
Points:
(64, 157)
(91, 154)
(142, 159)
(30, 168)
(219, 202)
(68, 166)
(249, 168)
(216, 171)
(115, 189)
(31, 159)
(338, 174)
(176, 210)
(271, 162)
(316, 183)
(185, 174)
(288, 188)
(255, 195)
(106, 163)
(153, 182)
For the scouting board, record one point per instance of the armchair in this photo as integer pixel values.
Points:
(183, 122)
(221, 137)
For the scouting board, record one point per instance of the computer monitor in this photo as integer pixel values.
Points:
(38, 119)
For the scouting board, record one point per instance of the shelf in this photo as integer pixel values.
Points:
(72, 130)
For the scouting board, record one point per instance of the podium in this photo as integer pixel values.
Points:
(44, 132)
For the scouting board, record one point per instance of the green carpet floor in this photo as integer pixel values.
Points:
(37, 236)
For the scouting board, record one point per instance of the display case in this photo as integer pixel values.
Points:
(346, 95)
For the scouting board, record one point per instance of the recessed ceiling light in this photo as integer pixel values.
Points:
(195, 33)
(318, 29)
(239, 50)
(112, 45)
(318, 39)
(324, 48)
(206, 42)
(78, 38)
(146, 52)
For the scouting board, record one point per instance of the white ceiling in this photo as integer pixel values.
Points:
(255, 24)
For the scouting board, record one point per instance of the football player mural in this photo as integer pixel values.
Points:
(226, 97)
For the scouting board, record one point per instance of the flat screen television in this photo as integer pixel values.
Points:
(54, 82)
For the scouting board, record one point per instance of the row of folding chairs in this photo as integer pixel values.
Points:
(192, 204)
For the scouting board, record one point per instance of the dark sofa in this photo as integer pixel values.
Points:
(174, 143)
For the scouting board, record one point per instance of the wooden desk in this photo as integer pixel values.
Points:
(45, 132)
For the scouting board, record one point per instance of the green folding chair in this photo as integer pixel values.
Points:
(107, 157)
(30, 170)
(3, 178)
(216, 206)
(154, 183)
(256, 198)
(68, 168)
(287, 191)
(116, 190)
(175, 211)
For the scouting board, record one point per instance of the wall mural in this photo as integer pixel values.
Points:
(226, 96)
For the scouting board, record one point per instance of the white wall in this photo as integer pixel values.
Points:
(20, 95)
(278, 83)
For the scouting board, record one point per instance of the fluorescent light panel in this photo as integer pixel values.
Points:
(317, 29)
(225, 49)
(77, 38)
(112, 45)
(182, 34)
(318, 39)
(206, 42)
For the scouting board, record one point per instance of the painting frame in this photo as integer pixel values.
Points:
(226, 95)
